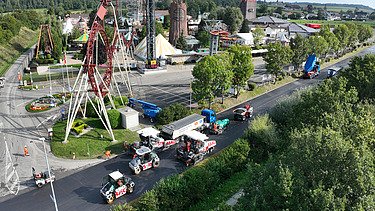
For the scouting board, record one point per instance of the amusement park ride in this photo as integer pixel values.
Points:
(116, 51)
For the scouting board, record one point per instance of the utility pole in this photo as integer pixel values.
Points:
(49, 172)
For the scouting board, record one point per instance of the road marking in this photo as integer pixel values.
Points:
(48, 118)
(20, 104)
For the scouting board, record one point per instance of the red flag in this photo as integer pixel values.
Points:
(101, 12)
(64, 57)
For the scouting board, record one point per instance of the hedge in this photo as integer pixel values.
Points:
(177, 192)
(114, 117)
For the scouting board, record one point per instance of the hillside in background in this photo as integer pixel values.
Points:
(11, 5)
(337, 7)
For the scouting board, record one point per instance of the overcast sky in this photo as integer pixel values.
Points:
(370, 3)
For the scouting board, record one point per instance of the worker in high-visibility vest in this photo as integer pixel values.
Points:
(25, 151)
(107, 154)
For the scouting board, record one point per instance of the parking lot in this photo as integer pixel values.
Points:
(172, 86)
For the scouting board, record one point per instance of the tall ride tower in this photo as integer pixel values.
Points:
(150, 30)
(178, 13)
(248, 9)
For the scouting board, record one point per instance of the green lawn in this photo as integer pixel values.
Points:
(89, 145)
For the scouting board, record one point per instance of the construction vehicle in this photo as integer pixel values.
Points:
(42, 178)
(196, 146)
(212, 124)
(150, 110)
(178, 128)
(116, 185)
(144, 159)
(244, 113)
(332, 71)
(312, 67)
(150, 137)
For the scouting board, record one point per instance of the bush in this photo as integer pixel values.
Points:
(114, 117)
(252, 86)
(90, 111)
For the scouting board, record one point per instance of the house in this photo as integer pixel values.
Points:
(268, 21)
(305, 31)
(239, 39)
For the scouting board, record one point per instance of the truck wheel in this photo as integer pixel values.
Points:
(137, 170)
(130, 189)
(111, 199)
(155, 164)
(151, 120)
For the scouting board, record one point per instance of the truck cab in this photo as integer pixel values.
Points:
(2, 81)
(210, 115)
(312, 67)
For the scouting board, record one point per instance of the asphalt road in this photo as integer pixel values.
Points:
(80, 191)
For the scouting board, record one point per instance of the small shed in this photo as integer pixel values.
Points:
(129, 117)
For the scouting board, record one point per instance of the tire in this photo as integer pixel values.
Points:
(137, 170)
(155, 164)
(39, 185)
(111, 199)
(130, 189)
(151, 120)
(143, 116)
(210, 150)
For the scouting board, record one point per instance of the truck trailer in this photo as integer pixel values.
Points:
(180, 127)
(312, 67)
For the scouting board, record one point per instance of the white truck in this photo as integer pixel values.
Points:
(180, 127)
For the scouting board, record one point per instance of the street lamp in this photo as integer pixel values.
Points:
(49, 172)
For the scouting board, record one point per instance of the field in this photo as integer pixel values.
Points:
(332, 23)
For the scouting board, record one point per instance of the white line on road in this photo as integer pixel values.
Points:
(20, 104)
(48, 118)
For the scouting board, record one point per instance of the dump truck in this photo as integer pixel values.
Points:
(212, 125)
(150, 110)
(312, 67)
(180, 127)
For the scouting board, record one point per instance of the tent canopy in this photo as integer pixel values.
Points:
(163, 48)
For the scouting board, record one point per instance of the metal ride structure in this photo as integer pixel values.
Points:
(213, 27)
(101, 85)
(150, 34)
(45, 32)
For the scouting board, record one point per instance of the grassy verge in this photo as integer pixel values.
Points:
(246, 95)
(63, 66)
(45, 77)
(89, 145)
(223, 193)
(10, 52)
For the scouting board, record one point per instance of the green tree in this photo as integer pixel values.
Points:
(258, 35)
(365, 32)
(331, 39)
(158, 30)
(353, 34)
(172, 113)
(242, 66)
(342, 33)
(300, 47)
(263, 9)
(361, 75)
(232, 17)
(75, 33)
(204, 38)
(181, 43)
(245, 26)
(205, 84)
(318, 45)
(224, 75)
(279, 10)
(277, 57)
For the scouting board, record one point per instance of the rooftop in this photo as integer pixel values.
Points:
(116, 175)
(268, 20)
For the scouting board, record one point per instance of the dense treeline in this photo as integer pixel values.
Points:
(11, 5)
(10, 24)
(326, 45)
(316, 149)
